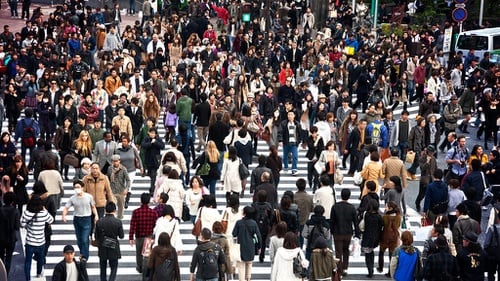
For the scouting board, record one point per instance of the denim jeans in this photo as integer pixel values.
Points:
(40, 259)
(113, 264)
(290, 149)
(211, 185)
(403, 146)
(82, 230)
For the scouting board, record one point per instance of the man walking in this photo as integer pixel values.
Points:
(288, 136)
(142, 224)
(119, 182)
(107, 231)
(343, 220)
(103, 151)
(206, 250)
(69, 269)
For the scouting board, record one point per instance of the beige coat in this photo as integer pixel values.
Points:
(372, 172)
(100, 189)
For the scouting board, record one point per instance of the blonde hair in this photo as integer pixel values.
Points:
(212, 151)
(85, 147)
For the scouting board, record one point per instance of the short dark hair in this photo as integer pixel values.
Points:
(319, 210)
(394, 151)
(206, 234)
(438, 174)
(345, 194)
(145, 197)
(301, 184)
(462, 208)
(371, 185)
(110, 207)
(324, 180)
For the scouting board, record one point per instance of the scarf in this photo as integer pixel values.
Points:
(115, 171)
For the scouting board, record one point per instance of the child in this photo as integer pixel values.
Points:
(170, 122)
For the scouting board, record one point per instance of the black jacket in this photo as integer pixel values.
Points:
(9, 223)
(59, 273)
(152, 152)
(284, 135)
(136, 119)
(272, 193)
(202, 114)
(111, 227)
(217, 132)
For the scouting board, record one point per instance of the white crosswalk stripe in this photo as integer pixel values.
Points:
(63, 234)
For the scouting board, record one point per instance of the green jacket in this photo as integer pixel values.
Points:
(184, 108)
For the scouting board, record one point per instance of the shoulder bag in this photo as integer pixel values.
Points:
(204, 169)
(224, 221)
(243, 171)
(197, 225)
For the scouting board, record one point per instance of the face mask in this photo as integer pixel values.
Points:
(276, 114)
(45, 100)
(78, 191)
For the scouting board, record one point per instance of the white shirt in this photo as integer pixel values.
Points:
(71, 272)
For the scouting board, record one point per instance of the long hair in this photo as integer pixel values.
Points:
(85, 147)
(23, 170)
(151, 108)
(212, 152)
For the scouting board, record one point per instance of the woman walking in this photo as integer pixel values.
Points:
(34, 219)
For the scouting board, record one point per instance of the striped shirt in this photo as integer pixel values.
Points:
(35, 226)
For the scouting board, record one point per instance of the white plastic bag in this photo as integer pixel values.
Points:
(355, 247)
(357, 178)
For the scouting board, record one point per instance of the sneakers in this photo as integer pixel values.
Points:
(294, 173)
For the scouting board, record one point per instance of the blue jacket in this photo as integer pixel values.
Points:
(475, 180)
(28, 122)
(436, 192)
(384, 134)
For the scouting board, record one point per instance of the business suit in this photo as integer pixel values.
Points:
(136, 118)
(101, 156)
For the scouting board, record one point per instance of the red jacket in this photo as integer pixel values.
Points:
(419, 75)
(222, 13)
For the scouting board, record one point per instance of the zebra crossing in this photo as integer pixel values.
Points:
(63, 233)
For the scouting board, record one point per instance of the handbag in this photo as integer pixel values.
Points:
(71, 160)
(425, 221)
(266, 135)
(338, 177)
(319, 167)
(147, 246)
(204, 169)
(110, 243)
(224, 222)
(410, 157)
(335, 275)
(243, 171)
(197, 225)
(298, 269)
(357, 178)
(234, 252)
(384, 154)
(185, 212)
(253, 127)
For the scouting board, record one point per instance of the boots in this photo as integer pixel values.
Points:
(370, 263)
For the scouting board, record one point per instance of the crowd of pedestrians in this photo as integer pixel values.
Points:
(81, 82)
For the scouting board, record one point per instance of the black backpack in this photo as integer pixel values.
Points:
(209, 263)
(165, 271)
(316, 231)
(262, 217)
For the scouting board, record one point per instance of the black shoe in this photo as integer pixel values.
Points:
(369, 275)
(465, 132)
(380, 270)
(388, 275)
